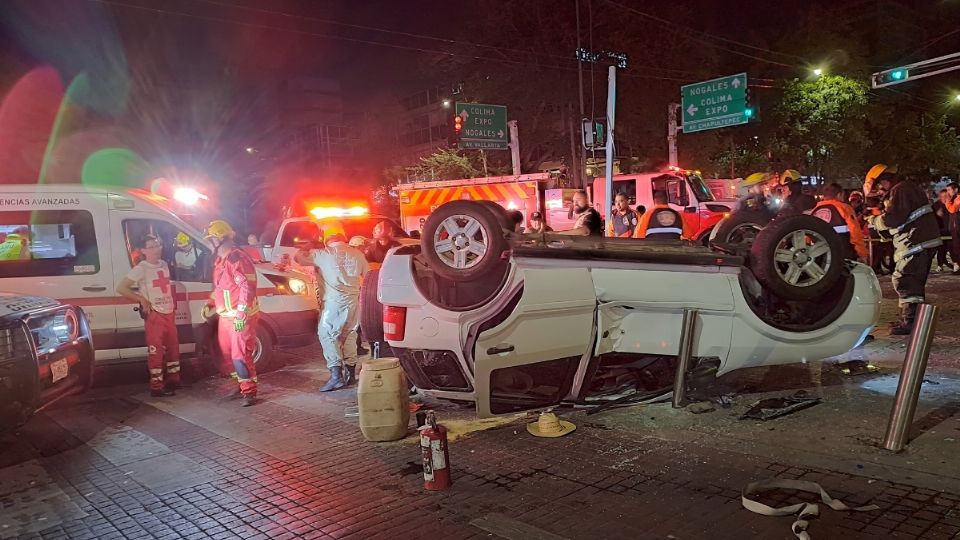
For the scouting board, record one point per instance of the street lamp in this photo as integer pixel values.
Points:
(817, 72)
(957, 98)
(446, 103)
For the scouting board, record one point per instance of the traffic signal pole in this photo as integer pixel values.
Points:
(514, 146)
(611, 114)
(672, 109)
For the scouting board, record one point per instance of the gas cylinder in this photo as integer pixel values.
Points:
(436, 458)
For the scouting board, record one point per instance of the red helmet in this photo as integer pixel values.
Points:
(383, 231)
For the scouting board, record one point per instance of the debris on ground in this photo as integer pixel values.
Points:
(801, 510)
(770, 408)
(857, 367)
(701, 407)
(725, 401)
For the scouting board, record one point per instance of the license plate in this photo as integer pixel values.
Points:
(59, 369)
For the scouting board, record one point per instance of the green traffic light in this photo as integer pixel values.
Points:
(898, 75)
(748, 112)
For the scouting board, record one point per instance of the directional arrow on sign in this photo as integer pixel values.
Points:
(500, 133)
(735, 83)
(464, 114)
(692, 109)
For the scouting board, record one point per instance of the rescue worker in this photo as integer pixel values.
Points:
(623, 220)
(16, 245)
(797, 202)
(588, 221)
(235, 299)
(383, 241)
(154, 294)
(341, 268)
(754, 198)
(537, 224)
(516, 217)
(907, 214)
(662, 222)
(855, 200)
(943, 221)
(842, 218)
(185, 258)
(953, 221)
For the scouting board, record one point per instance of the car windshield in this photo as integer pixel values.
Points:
(700, 188)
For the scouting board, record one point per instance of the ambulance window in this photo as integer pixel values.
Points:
(299, 229)
(675, 188)
(191, 262)
(47, 243)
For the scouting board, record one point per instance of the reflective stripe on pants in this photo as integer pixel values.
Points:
(910, 277)
(237, 349)
(163, 349)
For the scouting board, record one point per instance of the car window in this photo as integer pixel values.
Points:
(299, 229)
(48, 243)
(701, 189)
(191, 262)
(674, 187)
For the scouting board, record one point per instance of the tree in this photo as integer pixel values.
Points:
(822, 125)
(446, 164)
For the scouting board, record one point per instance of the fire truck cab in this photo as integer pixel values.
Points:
(687, 193)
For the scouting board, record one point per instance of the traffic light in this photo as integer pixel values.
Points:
(890, 77)
(454, 139)
(749, 107)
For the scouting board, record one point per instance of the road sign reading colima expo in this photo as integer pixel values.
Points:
(715, 103)
(484, 126)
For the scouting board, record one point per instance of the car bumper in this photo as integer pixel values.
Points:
(292, 329)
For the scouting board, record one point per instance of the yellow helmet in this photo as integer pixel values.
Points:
(334, 228)
(875, 172)
(220, 230)
(789, 175)
(756, 178)
(182, 240)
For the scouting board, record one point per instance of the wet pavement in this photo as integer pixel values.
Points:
(116, 463)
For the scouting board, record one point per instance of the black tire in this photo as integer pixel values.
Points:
(503, 216)
(371, 310)
(264, 355)
(738, 226)
(815, 255)
(456, 259)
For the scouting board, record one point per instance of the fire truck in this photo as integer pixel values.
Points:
(526, 193)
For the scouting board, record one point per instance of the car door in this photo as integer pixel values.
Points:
(530, 359)
(191, 279)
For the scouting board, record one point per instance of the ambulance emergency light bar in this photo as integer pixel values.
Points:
(918, 70)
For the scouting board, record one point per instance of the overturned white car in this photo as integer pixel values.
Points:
(515, 322)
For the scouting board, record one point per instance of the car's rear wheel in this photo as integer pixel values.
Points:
(371, 310)
(463, 241)
(797, 257)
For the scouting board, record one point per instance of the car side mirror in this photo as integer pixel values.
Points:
(690, 209)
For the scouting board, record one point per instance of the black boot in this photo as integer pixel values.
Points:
(249, 399)
(908, 315)
(336, 380)
(349, 375)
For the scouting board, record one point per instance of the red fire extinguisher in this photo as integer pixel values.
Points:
(436, 458)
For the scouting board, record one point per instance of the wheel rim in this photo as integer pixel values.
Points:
(460, 242)
(744, 233)
(803, 258)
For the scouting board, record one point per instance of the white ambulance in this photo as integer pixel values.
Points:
(75, 243)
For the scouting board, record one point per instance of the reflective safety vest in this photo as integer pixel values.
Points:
(662, 223)
(840, 216)
(622, 225)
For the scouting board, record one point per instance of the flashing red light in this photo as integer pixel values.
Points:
(323, 212)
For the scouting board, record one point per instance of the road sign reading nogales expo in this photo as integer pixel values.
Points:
(715, 103)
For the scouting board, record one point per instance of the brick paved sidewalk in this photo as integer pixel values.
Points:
(296, 467)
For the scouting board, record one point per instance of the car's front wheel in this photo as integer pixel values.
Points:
(263, 349)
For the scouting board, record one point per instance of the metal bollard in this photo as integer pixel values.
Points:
(911, 378)
(683, 359)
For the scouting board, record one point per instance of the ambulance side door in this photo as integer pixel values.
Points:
(191, 285)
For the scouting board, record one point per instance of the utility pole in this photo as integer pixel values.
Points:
(580, 183)
(483, 159)
(611, 116)
(672, 109)
(514, 146)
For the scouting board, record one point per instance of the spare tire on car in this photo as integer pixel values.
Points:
(464, 241)
(371, 310)
(797, 257)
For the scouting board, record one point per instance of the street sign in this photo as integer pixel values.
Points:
(715, 103)
(484, 126)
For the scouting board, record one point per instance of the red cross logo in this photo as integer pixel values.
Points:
(162, 282)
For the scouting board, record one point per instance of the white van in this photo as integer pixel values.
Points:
(82, 242)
